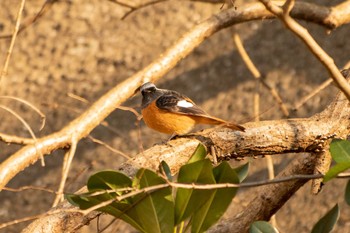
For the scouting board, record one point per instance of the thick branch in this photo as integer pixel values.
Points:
(268, 199)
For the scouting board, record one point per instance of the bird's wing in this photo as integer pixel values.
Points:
(180, 104)
(177, 103)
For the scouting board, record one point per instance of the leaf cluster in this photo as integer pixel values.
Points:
(150, 203)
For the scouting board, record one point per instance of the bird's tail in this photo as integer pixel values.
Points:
(209, 120)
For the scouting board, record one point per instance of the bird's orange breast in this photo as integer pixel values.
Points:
(167, 122)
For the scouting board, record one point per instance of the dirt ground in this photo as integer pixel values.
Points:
(82, 47)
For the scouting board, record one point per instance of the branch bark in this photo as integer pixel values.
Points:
(268, 199)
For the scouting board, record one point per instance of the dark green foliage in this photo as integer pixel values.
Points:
(148, 202)
(327, 222)
(340, 151)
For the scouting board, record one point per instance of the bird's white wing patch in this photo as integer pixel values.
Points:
(184, 104)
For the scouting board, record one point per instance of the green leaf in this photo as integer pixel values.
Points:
(347, 193)
(158, 204)
(154, 211)
(262, 227)
(327, 222)
(108, 180)
(219, 200)
(340, 150)
(335, 170)
(242, 171)
(86, 201)
(199, 154)
(165, 170)
(188, 201)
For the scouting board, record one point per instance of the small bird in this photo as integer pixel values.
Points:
(173, 113)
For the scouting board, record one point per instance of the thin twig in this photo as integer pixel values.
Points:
(26, 125)
(255, 72)
(310, 42)
(41, 114)
(13, 139)
(153, 188)
(135, 8)
(312, 93)
(23, 188)
(13, 39)
(26, 23)
(79, 98)
(317, 90)
(259, 79)
(276, 96)
(105, 124)
(108, 147)
(68, 157)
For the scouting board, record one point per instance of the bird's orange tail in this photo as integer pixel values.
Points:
(209, 120)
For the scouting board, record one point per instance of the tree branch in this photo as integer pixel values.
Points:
(267, 199)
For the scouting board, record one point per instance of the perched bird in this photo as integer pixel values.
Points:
(173, 113)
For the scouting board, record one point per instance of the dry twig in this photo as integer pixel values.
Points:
(41, 114)
(284, 14)
(13, 39)
(27, 126)
(26, 23)
(68, 158)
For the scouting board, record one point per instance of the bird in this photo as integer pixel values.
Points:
(172, 113)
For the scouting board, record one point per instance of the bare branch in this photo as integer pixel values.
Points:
(13, 139)
(44, 8)
(41, 114)
(267, 200)
(13, 39)
(314, 47)
(317, 90)
(259, 78)
(26, 125)
(67, 161)
(109, 147)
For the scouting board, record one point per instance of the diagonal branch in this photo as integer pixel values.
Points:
(327, 61)
(267, 200)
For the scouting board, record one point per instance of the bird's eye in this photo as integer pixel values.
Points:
(149, 90)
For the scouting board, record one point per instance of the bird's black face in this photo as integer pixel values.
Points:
(149, 93)
(148, 88)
